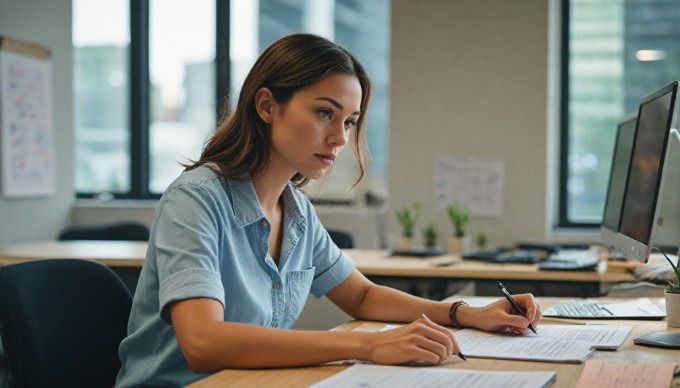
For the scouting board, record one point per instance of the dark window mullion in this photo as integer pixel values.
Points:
(564, 117)
(222, 64)
(139, 99)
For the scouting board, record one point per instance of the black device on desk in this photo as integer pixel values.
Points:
(552, 248)
(419, 252)
(506, 255)
(567, 265)
(568, 260)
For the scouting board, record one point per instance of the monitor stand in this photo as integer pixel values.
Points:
(660, 339)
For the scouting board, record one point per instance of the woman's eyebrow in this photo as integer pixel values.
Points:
(335, 103)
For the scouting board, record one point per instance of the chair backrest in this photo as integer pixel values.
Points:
(130, 231)
(342, 239)
(61, 321)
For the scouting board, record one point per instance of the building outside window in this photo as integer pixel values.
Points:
(176, 103)
(617, 52)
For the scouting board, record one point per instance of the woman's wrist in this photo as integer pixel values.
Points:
(362, 345)
(465, 316)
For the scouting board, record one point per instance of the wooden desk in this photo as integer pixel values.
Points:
(368, 261)
(567, 374)
(519, 278)
(128, 255)
(109, 253)
(125, 258)
(378, 262)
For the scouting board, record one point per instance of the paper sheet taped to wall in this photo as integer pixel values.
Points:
(478, 184)
(25, 119)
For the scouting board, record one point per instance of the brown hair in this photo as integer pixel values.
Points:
(241, 144)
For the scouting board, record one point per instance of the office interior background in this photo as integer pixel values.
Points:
(455, 78)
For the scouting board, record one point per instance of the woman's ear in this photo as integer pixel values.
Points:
(264, 101)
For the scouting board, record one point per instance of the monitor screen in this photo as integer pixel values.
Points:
(644, 174)
(623, 147)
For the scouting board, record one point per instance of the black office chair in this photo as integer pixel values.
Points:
(342, 239)
(130, 231)
(61, 321)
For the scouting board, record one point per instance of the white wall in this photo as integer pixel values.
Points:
(469, 79)
(49, 23)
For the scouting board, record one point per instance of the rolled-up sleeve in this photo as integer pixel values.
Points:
(338, 271)
(187, 248)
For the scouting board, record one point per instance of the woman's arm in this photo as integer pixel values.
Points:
(363, 299)
(210, 344)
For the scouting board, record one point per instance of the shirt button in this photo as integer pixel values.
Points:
(277, 286)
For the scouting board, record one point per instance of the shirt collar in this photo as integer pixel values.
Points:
(247, 208)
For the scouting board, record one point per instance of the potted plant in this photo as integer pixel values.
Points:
(430, 234)
(459, 217)
(672, 296)
(482, 239)
(408, 217)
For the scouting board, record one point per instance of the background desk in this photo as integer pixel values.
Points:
(125, 258)
(567, 374)
(407, 273)
(109, 253)
(519, 278)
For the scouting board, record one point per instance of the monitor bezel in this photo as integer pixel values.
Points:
(608, 236)
(631, 247)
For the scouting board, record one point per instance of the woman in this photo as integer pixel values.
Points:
(236, 247)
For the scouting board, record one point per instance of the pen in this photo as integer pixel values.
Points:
(514, 304)
(461, 355)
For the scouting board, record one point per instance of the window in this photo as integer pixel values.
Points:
(148, 86)
(614, 53)
(101, 94)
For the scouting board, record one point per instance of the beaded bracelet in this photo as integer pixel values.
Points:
(452, 313)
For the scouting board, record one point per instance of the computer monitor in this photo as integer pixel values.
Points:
(640, 214)
(623, 148)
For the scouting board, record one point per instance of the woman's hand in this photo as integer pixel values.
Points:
(422, 341)
(501, 316)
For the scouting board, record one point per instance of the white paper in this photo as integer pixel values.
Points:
(598, 336)
(639, 308)
(379, 376)
(478, 184)
(530, 347)
(26, 125)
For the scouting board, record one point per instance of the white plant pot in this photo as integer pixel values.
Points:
(672, 309)
(456, 245)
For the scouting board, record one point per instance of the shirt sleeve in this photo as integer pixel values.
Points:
(334, 274)
(187, 247)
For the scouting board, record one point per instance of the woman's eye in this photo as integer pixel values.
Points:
(350, 124)
(326, 114)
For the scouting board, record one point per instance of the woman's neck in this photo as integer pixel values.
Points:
(269, 188)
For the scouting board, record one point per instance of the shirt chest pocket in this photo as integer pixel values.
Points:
(299, 283)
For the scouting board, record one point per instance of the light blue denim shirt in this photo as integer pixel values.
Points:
(209, 239)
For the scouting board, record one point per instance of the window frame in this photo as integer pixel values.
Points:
(139, 97)
(564, 133)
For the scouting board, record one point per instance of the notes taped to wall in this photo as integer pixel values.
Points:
(26, 149)
(477, 184)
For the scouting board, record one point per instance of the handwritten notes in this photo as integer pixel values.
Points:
(625, 375)
(509, 347)
(555, 343)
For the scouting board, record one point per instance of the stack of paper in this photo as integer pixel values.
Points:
(554, 343)
(379, 376)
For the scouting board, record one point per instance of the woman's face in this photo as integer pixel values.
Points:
(310, 130)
